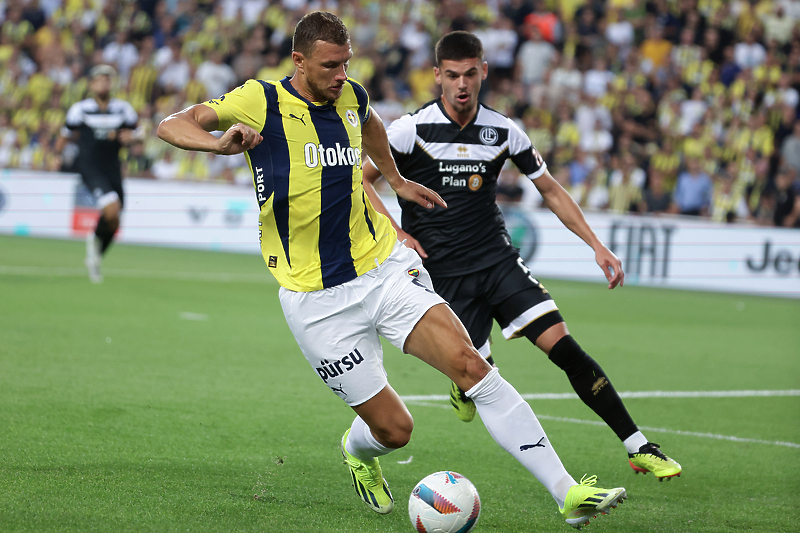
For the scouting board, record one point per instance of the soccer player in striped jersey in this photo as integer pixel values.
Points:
(457, 146)
(100, 125)
(345, 279)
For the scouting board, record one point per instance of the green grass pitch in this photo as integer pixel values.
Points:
(172, 397)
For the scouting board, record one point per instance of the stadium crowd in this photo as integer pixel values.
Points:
(658, 106)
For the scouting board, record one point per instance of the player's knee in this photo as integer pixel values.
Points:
(469, 367)
(397, 434)
(568, 355)
(111, 212)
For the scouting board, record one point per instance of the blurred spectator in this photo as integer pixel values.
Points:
(790, 149)
(173, 66)
(166, 168)
(730, 68)
(758, 197)
(727, 200)
(667, 160)
(137, 164)
(624, 194)
(619, 31)
(389, 107)
(749, 53)
(663, 80)
(787, 201)
(587, 27)
(686, 52)
(692, 111)
(655, 50)
(508, 187)
(534, 58)
(712, 44)
(547, 23)
(121, 53)
(217, 77)
(655, 198)
(777, 26)
(567, 132)
(627, 168)
(564, 82)
(499, 45)
(597, 78)
(692, 194)
(539, 131)
(597, 141)
(247, 63)
(417, 41)
(592, 194)
(579, 168)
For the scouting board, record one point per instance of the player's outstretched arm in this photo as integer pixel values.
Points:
(369, 177)
(376, 145)
(189, 129)
(569, 213)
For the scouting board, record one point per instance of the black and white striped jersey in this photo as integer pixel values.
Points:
(462, 165)
(98, 146)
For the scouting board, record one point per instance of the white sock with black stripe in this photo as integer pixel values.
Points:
(513, 425)
(361, 444)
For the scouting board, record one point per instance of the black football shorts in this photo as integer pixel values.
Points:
(505, 292)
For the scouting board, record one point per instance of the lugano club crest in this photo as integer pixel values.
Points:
(488, 135)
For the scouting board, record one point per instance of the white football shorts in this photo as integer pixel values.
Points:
(338, 328)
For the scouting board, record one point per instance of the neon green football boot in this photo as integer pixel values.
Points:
(650, 459)
(368, 481)
(463, 406)
(585, 502)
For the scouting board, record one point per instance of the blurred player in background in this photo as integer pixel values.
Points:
(345, 279)
(457, 147)
(100, 126)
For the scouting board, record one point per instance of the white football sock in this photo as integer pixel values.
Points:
(361, 444)
(512, 424)
(634, 442)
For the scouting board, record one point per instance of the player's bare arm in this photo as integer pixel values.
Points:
(376, 145)
(561, 203)
(127, 136)
(369, 177)
(189, 129)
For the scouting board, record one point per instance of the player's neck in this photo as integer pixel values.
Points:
(462, 119)
(303, 90)
(102, 102)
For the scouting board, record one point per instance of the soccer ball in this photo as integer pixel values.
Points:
(444, 502)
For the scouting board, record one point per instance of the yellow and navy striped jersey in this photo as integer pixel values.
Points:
(317, 227)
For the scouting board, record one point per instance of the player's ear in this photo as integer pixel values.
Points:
(437, 75)
(298, 60)
(484, 70)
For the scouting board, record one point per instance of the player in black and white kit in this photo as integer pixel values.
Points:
(100, 126)
(457, 146)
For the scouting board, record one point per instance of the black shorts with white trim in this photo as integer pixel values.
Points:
(505, 292)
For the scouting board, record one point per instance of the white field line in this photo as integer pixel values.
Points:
(135, 274)
(431, 401)
(641, 394)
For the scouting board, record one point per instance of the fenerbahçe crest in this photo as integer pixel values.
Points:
(351, 117)
(414, 272)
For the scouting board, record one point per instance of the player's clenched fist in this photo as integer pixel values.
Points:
(237, 139)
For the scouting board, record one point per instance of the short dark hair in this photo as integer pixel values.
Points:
(458, 45)
(318, 26)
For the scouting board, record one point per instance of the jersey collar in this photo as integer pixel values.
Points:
(453, 122)
(287, 84)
